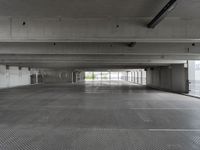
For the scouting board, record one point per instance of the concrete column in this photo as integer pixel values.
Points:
(72, 77)
(170, 78)
(139, 77)
(131, 76)
(118, 76)
(81, 76)
(36, 78)
(142, 77)
(136, 77)
(76, 75)
(126, 76)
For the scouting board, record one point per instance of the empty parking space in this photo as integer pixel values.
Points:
(97, 115)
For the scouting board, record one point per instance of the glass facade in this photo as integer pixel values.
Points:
(194, 78)
(114, 75)
(104, 76)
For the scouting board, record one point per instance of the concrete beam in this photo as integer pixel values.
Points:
(97, 30)
(96, 57)
(89, 64)
(98, 48)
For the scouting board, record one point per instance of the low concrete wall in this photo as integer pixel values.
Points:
(173, 78)
(52, 76)
(13, 76)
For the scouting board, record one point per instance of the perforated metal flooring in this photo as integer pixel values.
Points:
(97, 116)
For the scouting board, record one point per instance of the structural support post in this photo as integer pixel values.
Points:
(109, 76)
(118, 76)
(92, 76)
(131, 76)
(36, 78)
(72, 77)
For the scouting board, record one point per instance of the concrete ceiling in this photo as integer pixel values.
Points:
(95, 8)
(96, 55)
(82, 34)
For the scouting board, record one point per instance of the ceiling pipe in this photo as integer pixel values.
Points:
(131, 44)
(162, 14)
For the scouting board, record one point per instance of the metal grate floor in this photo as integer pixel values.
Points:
(24, 138)
(97, 117)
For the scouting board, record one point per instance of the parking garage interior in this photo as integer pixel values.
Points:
(100, 75)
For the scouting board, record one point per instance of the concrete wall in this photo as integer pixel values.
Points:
(13, 76)
(51, 76)
(173, 78)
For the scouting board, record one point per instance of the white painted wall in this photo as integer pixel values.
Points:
(13, 76)
(171, 78)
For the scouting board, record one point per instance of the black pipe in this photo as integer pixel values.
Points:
(162, 14)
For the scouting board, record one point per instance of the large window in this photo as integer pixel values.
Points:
(137, 76)
(89, 76)
(194, 77)
(103, 76)
(114, 75)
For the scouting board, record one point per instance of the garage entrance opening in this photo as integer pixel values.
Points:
(137, 76)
